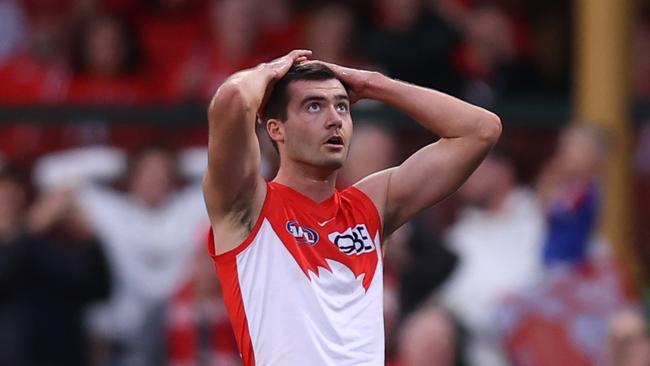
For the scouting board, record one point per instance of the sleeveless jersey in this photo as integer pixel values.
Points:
(305, 287)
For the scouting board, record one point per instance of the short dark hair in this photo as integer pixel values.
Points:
(276, 104)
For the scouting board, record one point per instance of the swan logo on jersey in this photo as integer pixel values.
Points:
(302, 234)
(353, 240)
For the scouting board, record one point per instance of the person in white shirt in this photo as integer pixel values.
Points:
(498, 239)
(150, 231)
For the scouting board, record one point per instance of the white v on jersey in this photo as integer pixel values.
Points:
(305, 287)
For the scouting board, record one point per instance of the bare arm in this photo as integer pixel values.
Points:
(233, 187)
(466, 133)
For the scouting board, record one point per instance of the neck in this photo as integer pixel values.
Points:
(316, 183)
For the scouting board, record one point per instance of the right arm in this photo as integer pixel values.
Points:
(233, 187)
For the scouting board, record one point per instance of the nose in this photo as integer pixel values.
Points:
(334, 119)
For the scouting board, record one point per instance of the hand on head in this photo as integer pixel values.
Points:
(355, 80)
(280, 66)
(277, 68)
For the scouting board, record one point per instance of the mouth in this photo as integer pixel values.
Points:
(335, 141)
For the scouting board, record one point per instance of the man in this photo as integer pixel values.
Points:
(149, 233)
(299, 262)
(497, 239)
(52, 267)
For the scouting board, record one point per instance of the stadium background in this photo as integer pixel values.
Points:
(136, 76)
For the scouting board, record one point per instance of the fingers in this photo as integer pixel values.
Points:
(296, 57)
(296, 54)
(280, 66)
(291, 57)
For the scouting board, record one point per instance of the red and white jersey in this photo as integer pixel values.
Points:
(305, 287)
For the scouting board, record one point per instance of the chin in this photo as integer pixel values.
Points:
(333, 164)
(331, 161)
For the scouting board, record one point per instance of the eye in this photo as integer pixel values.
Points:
(342, 107)
(313, 107)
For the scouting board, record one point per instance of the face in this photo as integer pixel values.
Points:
(318, 128)
(401, 12)
(487, 179)
(332, 44)
(234, 27)
(105, 51)
(151, 179)
(579, 152)
(490, 33)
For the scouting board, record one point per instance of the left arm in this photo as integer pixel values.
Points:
(466, 132)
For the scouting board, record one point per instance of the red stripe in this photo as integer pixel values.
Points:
(226, 266)
(229, 278)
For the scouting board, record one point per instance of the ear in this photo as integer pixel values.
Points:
(275, 129)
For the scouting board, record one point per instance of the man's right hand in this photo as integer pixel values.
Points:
(280, 66)
(277, 68)
(357, 81)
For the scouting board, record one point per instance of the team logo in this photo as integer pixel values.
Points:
(303, 234)
(353, 240)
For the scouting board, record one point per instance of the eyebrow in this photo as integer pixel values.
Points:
(318, 98)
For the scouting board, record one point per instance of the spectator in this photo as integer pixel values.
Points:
(489, 59)
(428, 338)
(498, 240)
(52, 268)
(148, 232)
(281, 28)
(36, 71)
(336, 44)
(568, 188)
(411, 44)
(629, 342)
(106, 63)
(562, 320)
(12, 28)
(195, 329)
(581, 288)
(170, 30)
(230, 45)
(12, 220)
(424, 264)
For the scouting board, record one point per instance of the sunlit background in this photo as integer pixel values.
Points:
(540, 259)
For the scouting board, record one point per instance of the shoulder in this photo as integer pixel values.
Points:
(361, 203)
(375, 188)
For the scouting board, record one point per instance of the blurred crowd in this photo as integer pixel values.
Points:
(103, 261)
(103, 256)
(117, 51)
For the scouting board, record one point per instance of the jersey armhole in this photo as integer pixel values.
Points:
(375, 212)
(231, 253)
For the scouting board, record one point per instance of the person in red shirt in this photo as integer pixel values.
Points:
(107, 64)
(229, 46)
(36, 73)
